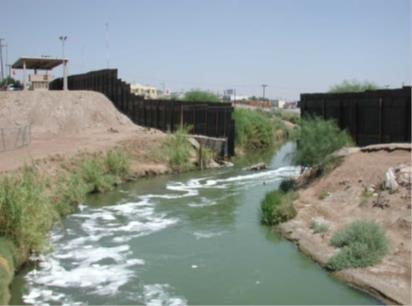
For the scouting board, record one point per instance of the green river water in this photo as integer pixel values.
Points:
(176, 240)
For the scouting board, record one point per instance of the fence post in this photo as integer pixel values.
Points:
(181, 115)
(407, 107)
(380, 119)
(357, 122)
(323, 108)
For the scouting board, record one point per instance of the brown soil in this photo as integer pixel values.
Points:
(390, 280)
(65, 124)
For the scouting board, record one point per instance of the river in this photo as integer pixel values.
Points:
(181, 239)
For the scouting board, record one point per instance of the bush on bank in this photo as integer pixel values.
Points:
(361, 244)
(317, 139)
(26, 212)
(277, 207)
(177, 150)
(30, 204)
(253, 130)
(7, 266)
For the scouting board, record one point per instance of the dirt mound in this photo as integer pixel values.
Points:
(353, 191)
(59, 113)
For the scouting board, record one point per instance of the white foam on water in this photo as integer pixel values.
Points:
(207, 235)
(93, 255)
(203, 202)
(159, 295)
(192, 186)
(81, 260)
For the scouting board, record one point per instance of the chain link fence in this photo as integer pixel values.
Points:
(14, 138)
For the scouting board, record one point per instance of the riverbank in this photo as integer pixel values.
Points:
(352, 192)
(72, 135)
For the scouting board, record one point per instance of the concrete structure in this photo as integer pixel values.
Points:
(279, 103)
(148, 92)
(40, 81)
(40, 63)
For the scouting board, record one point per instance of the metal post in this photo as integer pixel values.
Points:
(65, 86)
(264, 87)
(1, 60)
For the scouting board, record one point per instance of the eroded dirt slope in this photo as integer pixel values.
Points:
(352, 192)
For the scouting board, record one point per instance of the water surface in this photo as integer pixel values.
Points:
(184, 239)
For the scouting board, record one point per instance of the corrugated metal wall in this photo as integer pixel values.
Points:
(378, 116)
(206, 118)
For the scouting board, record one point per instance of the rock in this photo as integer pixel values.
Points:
(403, 175)
(346, 151)
(390, 180)
(225, 163)
(113, 130)
(195, 144)
(213, 164)
(256, 167)
(371, 188)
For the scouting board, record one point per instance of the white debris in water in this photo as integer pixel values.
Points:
(194, 266)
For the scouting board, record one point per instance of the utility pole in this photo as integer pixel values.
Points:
(63, 40)
(264, 87)
(8, 67)
(1, 59)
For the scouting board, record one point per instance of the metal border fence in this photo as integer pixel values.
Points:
(376, 116)
(205, 118)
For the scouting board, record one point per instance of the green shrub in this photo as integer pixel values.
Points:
(277, 207)
(198, 95)
(288, 116)
(205, 156)
(93, 173)
(177, 149)
(253, 130)
(323, 195)
(7, 267)
(362, 244)
(117, 163)
(319, 227)
(26, 213)
(287, 185)
(353, 86)
(71, 190)
(317, 140)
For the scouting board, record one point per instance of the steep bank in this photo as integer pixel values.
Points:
(352, 192)
(66, 123)
(66, 128)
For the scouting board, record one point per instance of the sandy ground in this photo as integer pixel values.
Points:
(390, 280)
(65, 124)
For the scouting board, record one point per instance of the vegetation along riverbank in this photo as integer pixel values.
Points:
(71, 156)
(352, 210)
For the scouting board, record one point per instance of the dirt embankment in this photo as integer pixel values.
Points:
(64, 124)
(351, 192)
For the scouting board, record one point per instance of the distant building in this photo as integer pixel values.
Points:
(279, 103)
(148, 92)
(230, 95)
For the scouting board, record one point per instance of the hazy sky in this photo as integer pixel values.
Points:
(294, 46)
